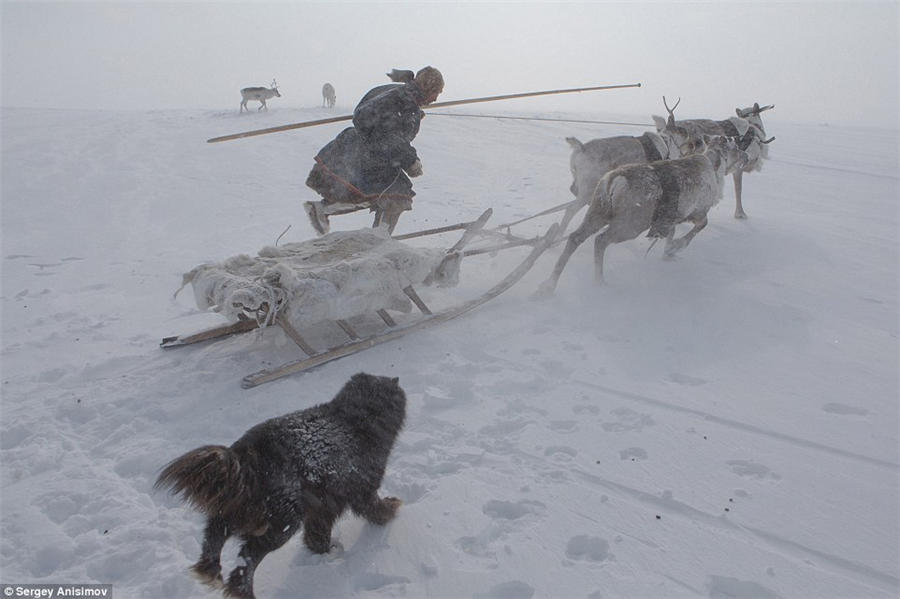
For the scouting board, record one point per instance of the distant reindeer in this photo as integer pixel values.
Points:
(260, 94)
(747, 126)
(628, 198)
(328, 97)
(591, 160)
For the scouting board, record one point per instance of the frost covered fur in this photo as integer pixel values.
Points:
(304, 468)
(336, 276)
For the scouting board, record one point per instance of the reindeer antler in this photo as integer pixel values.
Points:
(767, 141)
(671, 111)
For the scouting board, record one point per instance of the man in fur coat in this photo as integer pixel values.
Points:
(370, 164)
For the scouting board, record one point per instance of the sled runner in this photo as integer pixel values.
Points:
(339, 277)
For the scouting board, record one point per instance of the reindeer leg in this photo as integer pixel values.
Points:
(567, 218)
(593, 222)
(615, 233)
(601, 242)
(738, 176)
(674, 245)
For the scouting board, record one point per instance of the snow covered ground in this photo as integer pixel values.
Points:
(724, 424)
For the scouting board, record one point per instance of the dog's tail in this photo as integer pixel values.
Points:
(210, 478)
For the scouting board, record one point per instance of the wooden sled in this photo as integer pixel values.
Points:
(394, 330)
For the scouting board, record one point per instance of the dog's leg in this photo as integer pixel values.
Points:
(254, 549)
(317, 527)
(208, 568)
(377, 510)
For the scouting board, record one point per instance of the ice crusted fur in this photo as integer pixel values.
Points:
(303, 469)
(337, 276)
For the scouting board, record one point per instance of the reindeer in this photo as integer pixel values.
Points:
(628, 198)
(260, 94)
(591, 160)
(328, 97)
(748, 127)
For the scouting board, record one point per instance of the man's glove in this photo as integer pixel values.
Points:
(415, 170)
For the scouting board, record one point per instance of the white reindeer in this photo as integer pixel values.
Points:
(328, 96)
(630, 197)
(260, 94)
(748, 127)
(591, 160)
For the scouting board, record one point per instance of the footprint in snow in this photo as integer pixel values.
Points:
(435, 399)
(627, 420)
(373, 581)
(586, 409)
(721, 587)
(844, 410)
(752, 470)
(514, 589)
(633, 454)
(58, 508)
(683, 379)
(560, 452)
(588, 548)
(563, 426)
(507, 510)
(506, 517)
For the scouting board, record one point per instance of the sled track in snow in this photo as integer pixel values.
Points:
(838, 169)
(750, 428)
(853, 570)
(727, 422)
(858, 572)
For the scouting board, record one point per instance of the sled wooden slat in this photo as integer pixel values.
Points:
(386, 318)
(241, 326)
(472, 230)
(511, 279)
(445, 229)
(497, 248)
(295, 336)
(411, 294)
(507, 236)
(556, 208)
(347, 329)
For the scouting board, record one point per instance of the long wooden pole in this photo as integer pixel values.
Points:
(337, 119)
(536, 118)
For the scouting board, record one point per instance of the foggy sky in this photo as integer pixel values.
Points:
(834, 62)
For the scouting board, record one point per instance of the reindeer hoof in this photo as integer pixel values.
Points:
(740, 215)
(670, 254)
(544, 292)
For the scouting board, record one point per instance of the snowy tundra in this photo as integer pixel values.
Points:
(724, 424)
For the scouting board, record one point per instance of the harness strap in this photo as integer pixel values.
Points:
(650, 149)
(665, 214)
(729, 129)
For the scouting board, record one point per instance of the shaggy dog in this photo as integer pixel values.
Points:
(305, 468)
